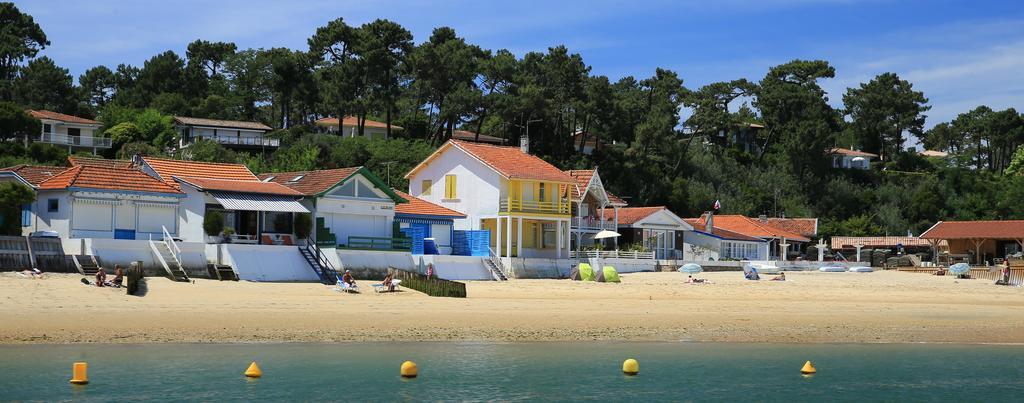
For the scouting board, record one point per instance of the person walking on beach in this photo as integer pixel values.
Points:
(1004, 278)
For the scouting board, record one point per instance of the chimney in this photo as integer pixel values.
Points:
(709, 226)
(762, 218)
(524, 144)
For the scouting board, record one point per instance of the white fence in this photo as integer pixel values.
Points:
(610, 254)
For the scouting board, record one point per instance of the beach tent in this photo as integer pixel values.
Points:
(586, 272)
(609, 275)
(574, 273)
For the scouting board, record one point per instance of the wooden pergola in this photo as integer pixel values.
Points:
(975, 234)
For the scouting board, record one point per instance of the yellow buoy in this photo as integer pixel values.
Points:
(630, 367)
(808, 368)
(79, 373)
(253, 371)
(409, 369)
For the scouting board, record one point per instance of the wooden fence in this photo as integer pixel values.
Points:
(433, 287)
(23, 253)
(981, 273)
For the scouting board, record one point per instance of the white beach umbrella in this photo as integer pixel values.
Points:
(606, 234)
(691, 268)
(960, 268)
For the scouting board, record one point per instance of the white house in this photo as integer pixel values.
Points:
(708, 242)
(658, 229)
(520, 198)
(71, 131)
(229, 133)
(590, 201)
(780, 235)
(352, 206)
(350, 127)
(846, 158)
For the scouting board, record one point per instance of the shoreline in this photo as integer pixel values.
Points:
(811, 308)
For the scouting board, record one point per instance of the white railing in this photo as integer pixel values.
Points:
(171, 245)
(79, 141)
(610, 254)
(243, 141)
(592, 223)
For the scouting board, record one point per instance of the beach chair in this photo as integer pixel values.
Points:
(384, 288)
(345, 287)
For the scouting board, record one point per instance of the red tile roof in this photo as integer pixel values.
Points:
(852, 153)
(101, 178)
(229, 124)
(98, 162)
(167, 169)
(44, 114)
(352, 121)
(418, 206)
(698, 225)
(752, 227)
(632, 215)
(851, 242)
(466, 135)
(240, 186)
(807, 227)
(310, 183)
(583, 178)
(34, 174)
(1007, 229)
(512, 162)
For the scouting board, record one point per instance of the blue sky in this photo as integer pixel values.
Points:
(960, 53)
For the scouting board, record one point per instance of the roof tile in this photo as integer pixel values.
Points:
(751, 227)
(310, 183)
(34, 174)
(353, 121)
(1007, 229)
(513, 162)
(44, 114)
(105, 178)
(240, 186)
(417, 206)
(230, 124)
(168, 169)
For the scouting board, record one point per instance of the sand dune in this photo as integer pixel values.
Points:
(810, 307)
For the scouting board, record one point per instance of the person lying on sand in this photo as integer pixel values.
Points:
(34, 273)
(691, 280)
(780, 277)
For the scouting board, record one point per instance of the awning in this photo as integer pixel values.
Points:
(258, 202)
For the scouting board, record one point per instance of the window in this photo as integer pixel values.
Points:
(52, 205)
(74, 131)
(26, 215)
(47, 128)
(541, 194)
(425, 187)
(449, 187)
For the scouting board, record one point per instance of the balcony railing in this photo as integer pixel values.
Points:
(510, 205)
(610, 254)
(243, 141)
(77, 141)
(592, 223)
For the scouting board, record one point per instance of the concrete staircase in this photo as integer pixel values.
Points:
(169, 261)
(87, 265)
(222, 272)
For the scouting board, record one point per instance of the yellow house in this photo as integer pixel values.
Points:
(521, 199)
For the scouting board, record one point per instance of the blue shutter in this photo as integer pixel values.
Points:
(26, 215)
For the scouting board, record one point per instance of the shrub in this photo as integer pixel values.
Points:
(213, 223)
(303, 225)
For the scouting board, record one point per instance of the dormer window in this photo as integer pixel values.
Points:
(269, 179)
(296, 179)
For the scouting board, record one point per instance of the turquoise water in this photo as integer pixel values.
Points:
(521, 371)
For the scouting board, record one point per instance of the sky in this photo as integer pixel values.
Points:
(961, 54)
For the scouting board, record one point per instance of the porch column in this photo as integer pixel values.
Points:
(616, 209)
(497, 236)
(508, 236)
(559, 233)
(568, 246)
(519, 235)
(858, 246)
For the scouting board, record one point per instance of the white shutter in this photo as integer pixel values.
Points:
(154, 216)
(92, 215)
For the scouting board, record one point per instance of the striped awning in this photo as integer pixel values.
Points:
(258, 202)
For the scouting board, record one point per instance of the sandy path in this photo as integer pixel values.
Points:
(811, 307)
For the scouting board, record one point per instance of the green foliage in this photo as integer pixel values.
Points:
(213, 223)
(1016, 167)
(12, 196)
(20, 38)
(207, 151)
(882, 110)
(303, 225)
(139, 148)
(123, 133)
(44, 85)
(15, 122)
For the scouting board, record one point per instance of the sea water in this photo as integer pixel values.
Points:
(516, 372)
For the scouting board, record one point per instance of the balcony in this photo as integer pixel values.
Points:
(592, 223)
(74, 141)
(243, 141)
(517, 206)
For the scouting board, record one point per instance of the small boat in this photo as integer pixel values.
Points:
(861, 269)
(831, 269)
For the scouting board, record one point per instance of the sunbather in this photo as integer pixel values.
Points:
(691, 280)
(348, 279)
(780, 277)
(101, 278)
(118, 277)
(752, 274)
(389, 282)
(34, 273)
(940, 272)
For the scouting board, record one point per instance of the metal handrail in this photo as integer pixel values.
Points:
(249, 141)
(171, 245)
(606, 254)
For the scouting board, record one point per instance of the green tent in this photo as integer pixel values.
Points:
(610, 275)
(587, 272)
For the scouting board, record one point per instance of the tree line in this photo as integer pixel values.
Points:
(761, 146)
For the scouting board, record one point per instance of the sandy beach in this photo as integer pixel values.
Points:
(883, 307)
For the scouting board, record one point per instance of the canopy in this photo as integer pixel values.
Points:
(960, 268)
(258, 202)
(691, 268)
(606, 234)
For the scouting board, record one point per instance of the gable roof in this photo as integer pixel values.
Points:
(1006, 229)
(45, 114)
(466, 135)
(751, 227)
(75, 160)
(807, 227)
(168, 169)
(843, 242)
(633, 215)
(319, 182)
(230, 124)
(699, 226)
(34, 174)
(851, 153)
(420, 207)
(102, 178)
(352, 121)
(238, 186)
(583, 177)
(510, 162)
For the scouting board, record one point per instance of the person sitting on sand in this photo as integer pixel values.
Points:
(752, 274)
(389, 282)
(101, 278)
(780, 277)
(118, 277)
(1004, 278)
(348, 279)
(940, 272)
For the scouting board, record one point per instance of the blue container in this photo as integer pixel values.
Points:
(430, 246)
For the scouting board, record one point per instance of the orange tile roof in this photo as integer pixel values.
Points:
(851, 242)
(418, 206)
(807, 227)
(98, 162)
(311, 183)
(352, 121)
(44, 114)
(103, 178)
(466, 135)
(698, 225)
(583, 178)
(631, 215)
(230, 124)
(1006, 229)
(751, 227)
(34, 174)
(512, 162)
(167, 169)
(852, 153)
(240, 186)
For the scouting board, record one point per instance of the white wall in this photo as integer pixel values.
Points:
(230, 133)
(267, 262)
(374, 260)
(350, 216)
(456, 267)
(59, 221)
(124, 252)
(478, 187)
(710, 244)
(190, 215)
